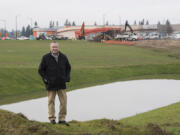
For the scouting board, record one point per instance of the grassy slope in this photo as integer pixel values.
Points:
(167, 118)
(92, 64)
(163, 121)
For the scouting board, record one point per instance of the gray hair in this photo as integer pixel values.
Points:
(54, 42)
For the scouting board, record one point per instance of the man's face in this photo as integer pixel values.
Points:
(54, 47)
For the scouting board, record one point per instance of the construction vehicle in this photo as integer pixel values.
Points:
(96, 34)
(107, 34)
(127, 25)
(42, 36)
(82, 30)
(127, 35)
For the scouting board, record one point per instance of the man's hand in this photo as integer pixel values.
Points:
(45, 80)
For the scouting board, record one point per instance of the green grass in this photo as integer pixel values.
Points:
(92, 64)
(163, 121)
(167, 118)
(27, 54)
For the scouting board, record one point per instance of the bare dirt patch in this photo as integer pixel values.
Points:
(164, 44)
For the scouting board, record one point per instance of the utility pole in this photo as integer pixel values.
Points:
(31, 28)
(103, 19)
(16, 26)
(119, 21)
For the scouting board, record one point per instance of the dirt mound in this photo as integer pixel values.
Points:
(22, 116)
(158, 43)
(116, 42)
(154, 129)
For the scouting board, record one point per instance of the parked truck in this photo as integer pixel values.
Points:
(127, 36)
(124, 35)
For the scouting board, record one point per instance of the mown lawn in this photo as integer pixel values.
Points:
(92, 64)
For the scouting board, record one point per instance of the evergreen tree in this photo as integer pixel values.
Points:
(66, 22)
(168, 27)
(147, 22)
(31, 31)
(107, 23)
(159, 23)
(35, 24)
(50, 24)
(142, 22)
(73, 23)
(28, 31)
(95, 24)
(69, 23)
(23, 32)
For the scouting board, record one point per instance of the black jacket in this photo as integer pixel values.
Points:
(55, 75)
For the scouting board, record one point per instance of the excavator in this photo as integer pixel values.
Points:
(82, 32)
(127, 25)
(125, 35)
(106, 33)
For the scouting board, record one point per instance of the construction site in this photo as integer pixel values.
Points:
(114, 34)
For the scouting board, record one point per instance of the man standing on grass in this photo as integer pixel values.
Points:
(55, 72)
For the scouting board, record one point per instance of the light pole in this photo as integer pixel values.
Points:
(31, 24)
(31, 21)
(104, 19)
(119, 21)
(16, 25)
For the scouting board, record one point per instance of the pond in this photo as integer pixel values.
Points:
(112, 101)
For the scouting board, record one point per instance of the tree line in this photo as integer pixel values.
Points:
(28, 30)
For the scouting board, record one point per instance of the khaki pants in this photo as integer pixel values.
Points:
(63, 104)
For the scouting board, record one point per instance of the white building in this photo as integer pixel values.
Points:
(70, 31)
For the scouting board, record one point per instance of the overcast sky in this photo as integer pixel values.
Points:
(114, 11)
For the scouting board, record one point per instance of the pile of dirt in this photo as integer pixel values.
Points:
(158, 43)
(117, 42)
(154, 129)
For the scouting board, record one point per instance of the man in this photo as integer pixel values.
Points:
(55, 72)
